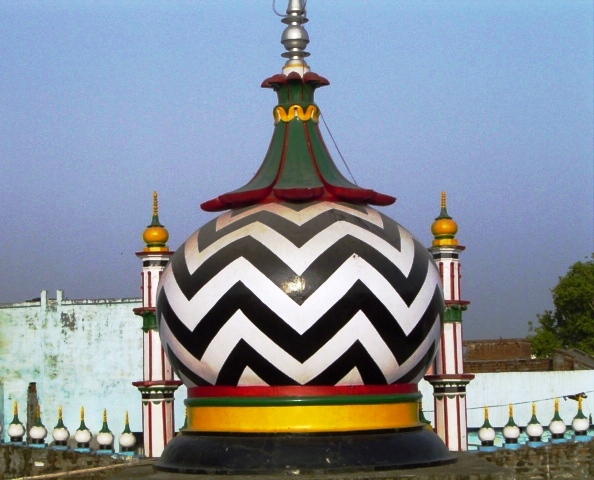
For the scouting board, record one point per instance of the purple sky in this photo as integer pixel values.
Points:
(103, 102)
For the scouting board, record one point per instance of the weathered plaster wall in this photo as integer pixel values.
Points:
(80, 353)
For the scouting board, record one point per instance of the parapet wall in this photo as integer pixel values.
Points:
(565, 460)
(22, 461)
(571, 460)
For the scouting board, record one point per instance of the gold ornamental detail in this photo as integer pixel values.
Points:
(296, 111)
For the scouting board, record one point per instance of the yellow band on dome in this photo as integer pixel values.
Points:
(296, 111)
(303, 419)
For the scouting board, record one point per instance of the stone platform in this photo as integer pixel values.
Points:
(469, 466)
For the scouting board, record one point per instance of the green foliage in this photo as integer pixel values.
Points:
(571, 324)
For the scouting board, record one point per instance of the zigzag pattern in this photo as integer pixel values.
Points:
(324, 294)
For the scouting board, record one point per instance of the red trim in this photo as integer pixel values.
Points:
(150, 431)
(154, 254)
(165, 383)
(459, 280)
(163, 365)
(165, 426)
(446, 422)
(459, 376)
(150, 354)
(442, 353)
(456, 302)
(455, 348)
(141, 310)
(459, 447)
(452, 282)
(281, 79)
(299, 391)
(150, 290)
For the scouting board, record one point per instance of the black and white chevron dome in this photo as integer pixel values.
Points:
(300, 294)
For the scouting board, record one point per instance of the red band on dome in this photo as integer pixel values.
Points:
(301, 391)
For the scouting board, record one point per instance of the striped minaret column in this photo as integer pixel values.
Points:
(448, 379)
(158, 383)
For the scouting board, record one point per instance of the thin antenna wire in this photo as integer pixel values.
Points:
(274, 9)
(338, 149)
(280, 14)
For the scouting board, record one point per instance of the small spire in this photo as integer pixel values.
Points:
(155, 204)
(60, 433)
(127, 439)
(534, 428)
(60, 423)
(83, 435)
(486, 432)
(557, 426)
(295, 38)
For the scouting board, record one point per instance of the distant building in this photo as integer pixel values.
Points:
(515, 355)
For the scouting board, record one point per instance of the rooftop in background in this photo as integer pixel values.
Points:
(515, 355)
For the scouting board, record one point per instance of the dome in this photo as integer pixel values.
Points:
(316, 293)
(155, 236)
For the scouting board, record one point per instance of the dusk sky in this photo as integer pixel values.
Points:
(102, 102)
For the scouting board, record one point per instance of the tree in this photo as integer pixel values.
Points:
(571, 323)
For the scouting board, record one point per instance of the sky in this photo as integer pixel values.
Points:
(102, 102)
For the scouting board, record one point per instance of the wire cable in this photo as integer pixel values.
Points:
(338, 149)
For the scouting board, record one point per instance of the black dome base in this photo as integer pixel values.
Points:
(224, 454)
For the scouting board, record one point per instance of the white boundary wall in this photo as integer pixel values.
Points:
(498, 390)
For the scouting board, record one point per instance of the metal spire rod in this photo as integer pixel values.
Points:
(295, 38)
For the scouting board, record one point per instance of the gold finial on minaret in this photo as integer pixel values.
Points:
(510, 410)
(15, 408)
(82, 413)
(104, 415)
(533, 408)
(556, 403)
(486, 412)
(155, 235)
(444, 228)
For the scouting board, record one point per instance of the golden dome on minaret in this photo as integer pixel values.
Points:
(444, 228)
(155, 235)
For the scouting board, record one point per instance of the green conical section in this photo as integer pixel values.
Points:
(510, 422)
(533, 420)
(60, 424)
(297, 165)
(486, 424)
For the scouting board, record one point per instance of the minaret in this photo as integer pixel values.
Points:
(158, 384)
(449, 380)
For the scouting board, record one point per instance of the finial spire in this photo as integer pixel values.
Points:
(443, 200)
(155, 204)
(295, 38)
